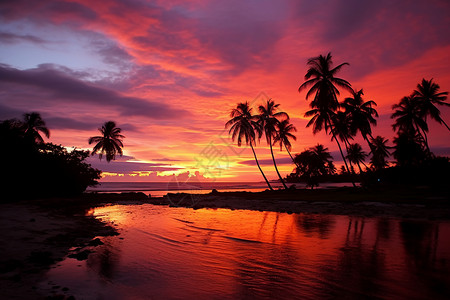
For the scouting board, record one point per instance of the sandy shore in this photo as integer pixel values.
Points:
(35, 235)
(33, 238)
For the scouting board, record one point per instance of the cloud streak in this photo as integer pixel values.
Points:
(64, 89)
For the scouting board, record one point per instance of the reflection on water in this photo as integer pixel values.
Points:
(179, 253)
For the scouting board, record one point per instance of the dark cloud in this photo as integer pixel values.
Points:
(69, 123)
(64, 89)
(110, 52)
(10, 38)
(7, 112)
(59, 11)
(264, 162)
(125, 167)
(375, 35)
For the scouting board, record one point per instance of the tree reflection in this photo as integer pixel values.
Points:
(319, 225)
(420, 241)
(105, 260)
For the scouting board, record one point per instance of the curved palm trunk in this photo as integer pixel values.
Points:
(259, 167)
(340, 150)
(445, 124)
(367, 140)
(347, 145)
(359, 166)
(290, 156)
(423, 135)
(275, 164)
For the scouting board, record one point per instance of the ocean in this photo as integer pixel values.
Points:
(159, 189)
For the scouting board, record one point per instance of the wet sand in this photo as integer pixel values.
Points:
(35, 235)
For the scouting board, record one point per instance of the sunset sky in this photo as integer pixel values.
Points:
(169, 72)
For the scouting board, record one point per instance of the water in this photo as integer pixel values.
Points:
(180, 253)
(159, 189)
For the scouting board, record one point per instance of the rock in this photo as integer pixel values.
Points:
(83, 255)
(95, 242)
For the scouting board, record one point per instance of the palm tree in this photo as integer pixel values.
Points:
(409, 119)
(321, 79)
(33, 124)
(109, 143)
(313, 163)
(284, 134)
(356, 155)
(409, 149)
(268, 120)
(323, 156)
(379, 151)
(244, 126)
(428, 96)
(361, 115)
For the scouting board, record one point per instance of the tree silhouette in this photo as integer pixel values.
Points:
(109, 143)
(361, 114)
(268, 120)
(409, 120)
(428, 96)
(380, 151)
(313, 163)
(33, 124)
(243, 126)
(321, 81)
(356, 155)
(283, 135)
(409, 150)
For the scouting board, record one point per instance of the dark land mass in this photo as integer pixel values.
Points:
(37, 234)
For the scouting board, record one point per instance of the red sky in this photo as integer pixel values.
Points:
(169, 72)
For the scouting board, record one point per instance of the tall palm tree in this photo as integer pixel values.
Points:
(322, 82)
(428, 96)
(33, 124)
(283, 135)
(356, 155)
(109, 143)
(361, 114)
(268, 120)
(243, 126)
(379, 151)
(409, 119)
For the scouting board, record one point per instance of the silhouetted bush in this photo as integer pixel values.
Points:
(31, 170)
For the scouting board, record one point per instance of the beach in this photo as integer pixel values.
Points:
(37, 234)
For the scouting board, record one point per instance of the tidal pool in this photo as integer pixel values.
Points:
(180, 253)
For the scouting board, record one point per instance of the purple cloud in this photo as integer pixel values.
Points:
(59, 88)
(125, 167)
(11, 38)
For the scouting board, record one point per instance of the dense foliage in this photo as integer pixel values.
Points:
(32, 168)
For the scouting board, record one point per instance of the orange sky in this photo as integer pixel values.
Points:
(169, 72)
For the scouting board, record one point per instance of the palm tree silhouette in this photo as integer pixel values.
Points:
(361, 114)
(409, 119)
(356, 155)
(379, 151)
(244, 126)
(109, 143)
(283, 135)
(33, 124)
(321, 79)
(268, 120)
(313, 163)
(322, 154)
(428, 96)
